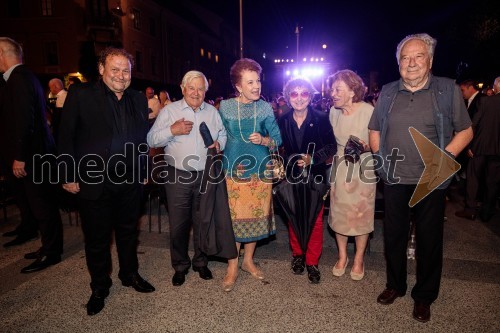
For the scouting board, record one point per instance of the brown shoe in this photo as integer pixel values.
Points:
(467, 214)
(388, 296)
(421, 312)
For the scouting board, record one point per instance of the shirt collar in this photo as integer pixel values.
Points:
(472, 97)
(109, 92)
(425, 87)
(7, 73)
(185, 105)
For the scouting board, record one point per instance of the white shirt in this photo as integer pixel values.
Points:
(186, 152)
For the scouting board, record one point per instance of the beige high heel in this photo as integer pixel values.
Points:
(228, 284)
(257, 273)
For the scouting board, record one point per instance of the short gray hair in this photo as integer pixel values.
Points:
(426, 38)
(190, 76)
(13, 47)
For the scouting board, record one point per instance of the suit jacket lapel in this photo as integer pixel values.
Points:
(102, 104)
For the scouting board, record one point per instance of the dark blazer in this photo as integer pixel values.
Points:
(23, 124)
(87, 130)
(486, 125)
(473, 107)
(317, 130)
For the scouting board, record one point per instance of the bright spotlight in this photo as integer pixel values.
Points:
(304, 59)
(287, 73)
(295, 72)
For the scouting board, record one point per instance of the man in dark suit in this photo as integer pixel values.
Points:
(485, 159)
(103, 132)
(472, 96)
(23, 134)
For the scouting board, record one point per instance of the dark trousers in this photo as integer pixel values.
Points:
(118, 209)
(183, 200)
(428, 218)
(492, 186)
(39, 211)
(475, 172)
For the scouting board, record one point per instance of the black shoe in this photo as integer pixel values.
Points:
(298, 265)
(138, 283)
(96, 301)
(313, 274)
(204, 272)
(41, 263)
(20, 239)
(11, 233)
(388, 296)
(421, 312)
(179, 278)
(33, 255)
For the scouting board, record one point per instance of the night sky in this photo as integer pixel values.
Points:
(363, 35)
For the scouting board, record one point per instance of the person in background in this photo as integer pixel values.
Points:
(24, 134)
(299, 129)
(471, 95)
(58, 93)
(252, 134)
(352, 195)
(484, 154)
(164, 98)
(105, 123)
(177, 129)
(154, 104)
(282, 106)
(434, 106)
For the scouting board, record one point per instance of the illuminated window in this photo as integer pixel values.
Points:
(46, 7)
(209, 55)
(202, 52)
(216, 58)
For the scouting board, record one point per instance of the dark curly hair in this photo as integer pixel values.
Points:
(113, 51)
(352, 80)
(243, 64)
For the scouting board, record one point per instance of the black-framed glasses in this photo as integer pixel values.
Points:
(304, 94)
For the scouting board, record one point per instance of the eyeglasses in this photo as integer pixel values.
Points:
(304, 94)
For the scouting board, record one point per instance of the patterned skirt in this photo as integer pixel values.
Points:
(250, 203)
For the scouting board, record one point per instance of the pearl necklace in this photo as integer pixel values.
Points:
(254, 119)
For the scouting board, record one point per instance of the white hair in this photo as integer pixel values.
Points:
(426, 38)
(189, 76)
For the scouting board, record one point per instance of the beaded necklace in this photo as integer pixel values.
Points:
(254, 119)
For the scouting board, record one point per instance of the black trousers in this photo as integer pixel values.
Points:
(118, 210)
(39, 211)
(492, 186)
(475, 172)
(183, 200)
(428, 219)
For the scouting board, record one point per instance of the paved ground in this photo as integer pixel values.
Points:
(54, 300)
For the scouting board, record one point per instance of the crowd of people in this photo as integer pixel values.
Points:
(289, 153)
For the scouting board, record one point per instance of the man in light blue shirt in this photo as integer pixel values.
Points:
(177, 129)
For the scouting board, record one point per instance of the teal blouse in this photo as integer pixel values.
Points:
(245, 159)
